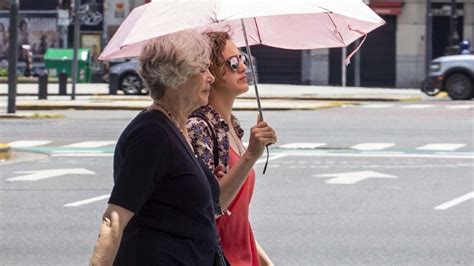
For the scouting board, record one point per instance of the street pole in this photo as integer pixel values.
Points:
(13, 55)
(453, 47)
(428, 37)
(76, 48)
(343, 66)
(357, 65)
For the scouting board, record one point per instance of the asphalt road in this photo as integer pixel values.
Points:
(372, 184)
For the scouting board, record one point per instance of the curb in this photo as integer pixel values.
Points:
(29, 116)
(5, 153)
(290, 98)
(242, 106)
(442, 94)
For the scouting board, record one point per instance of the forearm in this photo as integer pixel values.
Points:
(105, 251)
(231, 183)
(107, 245)
(110, 235)
(264, 259)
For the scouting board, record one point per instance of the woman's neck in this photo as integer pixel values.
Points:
(176, 108)
(223, 105)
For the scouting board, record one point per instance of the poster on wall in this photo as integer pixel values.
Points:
(92, 15)
(92, 41)
(36, 31)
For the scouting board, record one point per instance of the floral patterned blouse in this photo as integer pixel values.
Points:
(201, 135)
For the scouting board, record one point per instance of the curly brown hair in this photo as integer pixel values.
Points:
(218, 41)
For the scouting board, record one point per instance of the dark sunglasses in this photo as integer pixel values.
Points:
(234, 61)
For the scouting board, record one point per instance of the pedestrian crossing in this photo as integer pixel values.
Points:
(106, 147)
(28, 143)
(442, 146)
(378, 146)
(91, 144)
(404, 106)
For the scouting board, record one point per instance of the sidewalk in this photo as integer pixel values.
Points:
(273, 97)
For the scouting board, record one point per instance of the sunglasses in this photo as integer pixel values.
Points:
(234, 61)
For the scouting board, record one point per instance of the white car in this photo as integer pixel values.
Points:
(453, 74)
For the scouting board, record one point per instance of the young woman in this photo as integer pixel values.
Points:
(217, 138)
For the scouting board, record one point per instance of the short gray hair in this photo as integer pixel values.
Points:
(168, 61)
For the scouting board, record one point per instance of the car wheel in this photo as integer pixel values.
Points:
(459, 87)
(131, 84)
(430, 91)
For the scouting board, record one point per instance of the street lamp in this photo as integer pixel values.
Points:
(429, 36)
(453, 47)
(12, 55)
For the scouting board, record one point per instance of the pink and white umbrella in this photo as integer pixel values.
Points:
(297, 24)
(309, 24)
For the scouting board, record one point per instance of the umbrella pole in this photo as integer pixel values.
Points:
(252, 70)
(255, 86)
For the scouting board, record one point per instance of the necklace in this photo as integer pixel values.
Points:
(175, 122)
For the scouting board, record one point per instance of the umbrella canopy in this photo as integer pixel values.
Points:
(307, 24)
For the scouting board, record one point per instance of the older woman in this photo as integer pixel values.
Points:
(161, 210)
(217, 138)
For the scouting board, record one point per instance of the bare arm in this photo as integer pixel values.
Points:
(114, 221)
(261, 135)
(264, 259)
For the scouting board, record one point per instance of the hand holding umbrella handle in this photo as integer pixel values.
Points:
(255, 86)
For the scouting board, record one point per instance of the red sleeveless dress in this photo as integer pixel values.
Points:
(235, 231)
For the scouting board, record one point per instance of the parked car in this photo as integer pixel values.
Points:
(453, 74)
(131, 84)
(128, 79)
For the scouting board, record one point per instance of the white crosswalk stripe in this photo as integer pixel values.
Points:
(302, 145)
(90, 144)
(417, 106)
(374, 106)
(28, 143)
(441, 146)
(411, 106)
(372, 146)
(460, 107)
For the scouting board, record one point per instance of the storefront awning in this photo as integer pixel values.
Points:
(387, 8)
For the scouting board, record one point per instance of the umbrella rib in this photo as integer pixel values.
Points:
(258, 30)
(335, 26)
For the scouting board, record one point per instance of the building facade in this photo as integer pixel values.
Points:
(392, 55)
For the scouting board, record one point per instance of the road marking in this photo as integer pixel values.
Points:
(273, 157)
(82, 154)
(350, 178)
(87, 201)
(44, 174)
(90, 144)
(302, 145)
(372, 146)
(76, 151)
(317, 153)
(441, 146)
(28, 143)
(464, 107)
(417, 106)
(376, 105)
(455, 201)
